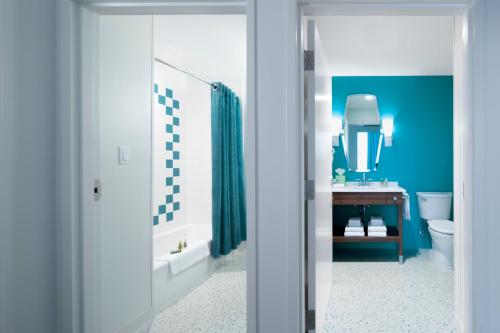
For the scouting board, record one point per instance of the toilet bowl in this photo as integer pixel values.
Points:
(435, 208)
(442, 242)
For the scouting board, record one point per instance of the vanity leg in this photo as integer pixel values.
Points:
(400, 231)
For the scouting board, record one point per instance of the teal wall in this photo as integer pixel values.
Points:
(421, 156)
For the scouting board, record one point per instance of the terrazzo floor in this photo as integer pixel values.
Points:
(217, 306)
(383, 296)
(367, 297)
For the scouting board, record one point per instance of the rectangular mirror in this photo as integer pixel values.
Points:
(361, 136)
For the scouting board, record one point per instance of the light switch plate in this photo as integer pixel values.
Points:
(123, 155)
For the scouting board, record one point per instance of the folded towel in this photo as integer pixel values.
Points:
(354, 225)
(377, 234)
(381, 228)
(354, 222)
(406, 206)
(354, 229)
(188, 257)
(376, 218)
(353, 234)
(376, 223)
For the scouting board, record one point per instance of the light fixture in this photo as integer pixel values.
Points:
(369, 97)
(387, 130)
(336, 130)
(323, 98)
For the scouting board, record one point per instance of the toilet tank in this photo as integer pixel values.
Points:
(434, 205)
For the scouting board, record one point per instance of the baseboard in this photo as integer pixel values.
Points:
(460, 321)
(139, 323)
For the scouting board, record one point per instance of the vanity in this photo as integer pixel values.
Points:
(370, 195)
(362, 137)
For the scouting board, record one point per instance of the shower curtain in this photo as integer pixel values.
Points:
(228, 182)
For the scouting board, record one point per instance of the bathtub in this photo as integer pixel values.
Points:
(172, 283)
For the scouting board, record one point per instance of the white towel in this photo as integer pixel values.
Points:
(377, 234)
(406, 206)
(188, 257)
(381, 228)
(354, 222)
(354, 234)
(354, 229)
(376, 222)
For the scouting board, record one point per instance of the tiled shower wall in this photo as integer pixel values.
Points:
(181, 150)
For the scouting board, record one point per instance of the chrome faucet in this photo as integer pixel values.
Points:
(364, 181)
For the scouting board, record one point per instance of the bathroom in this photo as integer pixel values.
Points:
(188, 272)
(391, 85)
(168, 100)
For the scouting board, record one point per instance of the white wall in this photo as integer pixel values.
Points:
(387, 45)
(215, 49)
(125, 72)
(27, 168)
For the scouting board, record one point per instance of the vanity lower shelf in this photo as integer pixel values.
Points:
(370, 198)
(392, 236)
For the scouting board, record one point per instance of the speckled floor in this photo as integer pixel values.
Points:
(217, 306)
(383, 296)
(367, 297)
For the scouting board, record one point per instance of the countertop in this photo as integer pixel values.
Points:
(374, 187)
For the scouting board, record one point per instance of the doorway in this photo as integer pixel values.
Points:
(457, 142)
(148, 78)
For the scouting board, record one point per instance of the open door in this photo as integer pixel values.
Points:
(318, 170)
(122, 236)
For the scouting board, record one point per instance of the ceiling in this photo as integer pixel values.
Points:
(386, 45)
(212, 46)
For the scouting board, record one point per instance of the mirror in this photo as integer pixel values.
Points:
(362, 138)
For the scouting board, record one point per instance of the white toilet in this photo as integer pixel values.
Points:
(435, 207)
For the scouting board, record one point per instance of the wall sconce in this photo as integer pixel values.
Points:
(387, 130)
(336, 130)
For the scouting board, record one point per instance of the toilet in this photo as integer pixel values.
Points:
(435, 208)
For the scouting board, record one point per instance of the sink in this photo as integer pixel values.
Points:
(369, 187)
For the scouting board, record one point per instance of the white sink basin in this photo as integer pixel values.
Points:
(370, 187)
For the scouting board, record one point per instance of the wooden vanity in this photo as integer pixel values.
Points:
(380, 196)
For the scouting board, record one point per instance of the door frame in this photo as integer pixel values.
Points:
(78, 259)
(462, 114)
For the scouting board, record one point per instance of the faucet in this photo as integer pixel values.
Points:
(364, 181)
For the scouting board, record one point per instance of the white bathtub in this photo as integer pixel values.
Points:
(168, 287)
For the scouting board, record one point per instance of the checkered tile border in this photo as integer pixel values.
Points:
(166, 212)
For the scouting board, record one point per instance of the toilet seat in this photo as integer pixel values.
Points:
(442, 226)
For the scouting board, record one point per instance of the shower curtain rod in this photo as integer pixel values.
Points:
(213, 85)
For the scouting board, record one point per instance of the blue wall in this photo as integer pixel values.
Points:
(421, 157)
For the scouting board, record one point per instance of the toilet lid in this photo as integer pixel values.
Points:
(442, 226)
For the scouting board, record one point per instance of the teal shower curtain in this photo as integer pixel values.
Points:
(228, 180)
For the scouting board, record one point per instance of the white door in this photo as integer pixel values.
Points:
(123, 236)
(318, 171)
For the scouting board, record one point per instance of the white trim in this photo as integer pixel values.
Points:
(251, 171)
(68, 170)
(401, 8)
(139, 323)
(168, 8)
(461, 156)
